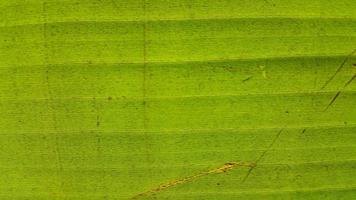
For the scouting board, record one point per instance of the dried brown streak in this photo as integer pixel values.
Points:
(333, 100)
(225, 168)
(339, 69)
(262, 155)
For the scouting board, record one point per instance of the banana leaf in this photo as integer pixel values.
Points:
(177, 99)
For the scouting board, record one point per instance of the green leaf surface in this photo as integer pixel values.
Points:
(177, 99)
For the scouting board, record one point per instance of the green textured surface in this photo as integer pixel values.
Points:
(106, 99)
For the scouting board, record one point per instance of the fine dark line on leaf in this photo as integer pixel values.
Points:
(248, 174)
(144, 82)
(163, 98)
(338, 69)
(183, 62)
(247, 79)
(261, 156)
(97, 121)
(339, 92)
(333, 100)
(334, 75)
(350, 81)
(51, 106)
(145, 117)
(162, 20)
(270, 146)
